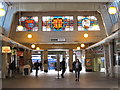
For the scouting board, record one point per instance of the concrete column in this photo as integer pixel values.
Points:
(70, 59)
(42, 59)
(45, 53)
(4, 65)
(24, 55)
(29, 55)
(0, 57)
(106, 55)
(111, 58)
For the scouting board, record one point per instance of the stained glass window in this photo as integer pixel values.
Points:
(57, 23)
(87, 23)
(29, 23)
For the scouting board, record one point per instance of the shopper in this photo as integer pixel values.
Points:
(36, 67)
(12, 68)
(77, 67)
(63, 68)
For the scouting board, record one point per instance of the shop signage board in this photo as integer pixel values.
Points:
(19, 53)
(6, 49)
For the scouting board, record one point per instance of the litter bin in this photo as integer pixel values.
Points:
(26, 72)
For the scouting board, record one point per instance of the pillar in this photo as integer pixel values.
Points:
(70, 59)
(42, 59)
(45, 55)
(4, 65)
(29, 57)
(0, 56)
(106, 55)
(111, 58)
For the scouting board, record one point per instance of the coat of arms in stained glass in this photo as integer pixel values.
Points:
(87, 23)
(57, 23)
(29, 23)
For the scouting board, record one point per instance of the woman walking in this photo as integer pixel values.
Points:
(77, 67)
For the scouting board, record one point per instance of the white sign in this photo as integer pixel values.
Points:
(6, 49)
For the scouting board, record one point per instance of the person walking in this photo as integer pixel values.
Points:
(63, 68)
(36, 67)
(12, 68)
(77, 67)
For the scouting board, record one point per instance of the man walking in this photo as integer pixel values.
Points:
(36, 67)
(63, 67)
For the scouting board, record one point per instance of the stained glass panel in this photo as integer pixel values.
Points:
(57, 23)
(29, 23)
(87, 23)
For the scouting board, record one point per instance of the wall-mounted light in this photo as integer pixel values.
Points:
(112, 10)
(78, 48)
(29, 35)
(2, 12)
(85, 35)
(82, 45)
(33, 45)
(37, 48)
(20, 28)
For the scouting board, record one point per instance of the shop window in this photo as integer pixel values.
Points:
(87, 23)
(29, 23)
(57, 23)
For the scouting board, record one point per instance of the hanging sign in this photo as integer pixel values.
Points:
(19, 53)
(6, 49)
(14, 51)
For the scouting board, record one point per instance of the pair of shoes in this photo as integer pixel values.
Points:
(78, 80)
(75, 79)
(62, 76)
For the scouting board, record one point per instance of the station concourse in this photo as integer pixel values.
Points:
(48, 32)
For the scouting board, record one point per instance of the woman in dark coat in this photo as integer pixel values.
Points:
(77, 67)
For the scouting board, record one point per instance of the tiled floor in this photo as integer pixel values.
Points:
(49, 80)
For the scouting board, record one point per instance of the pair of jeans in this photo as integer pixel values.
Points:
(77, 73)
(63, 71)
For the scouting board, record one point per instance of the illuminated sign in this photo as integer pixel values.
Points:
(6, 49)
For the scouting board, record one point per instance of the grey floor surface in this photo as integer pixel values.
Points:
(49, 80)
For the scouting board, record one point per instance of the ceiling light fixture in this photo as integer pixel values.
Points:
(78, 48)
(85, 35)
(112, 10)
(19, 27)
(82, 45)
(37, 48)
(33, 45)
(29, 35)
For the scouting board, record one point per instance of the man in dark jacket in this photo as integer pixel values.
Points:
(77, 67)
(12, 67)
(63, 67)
(36, 67)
